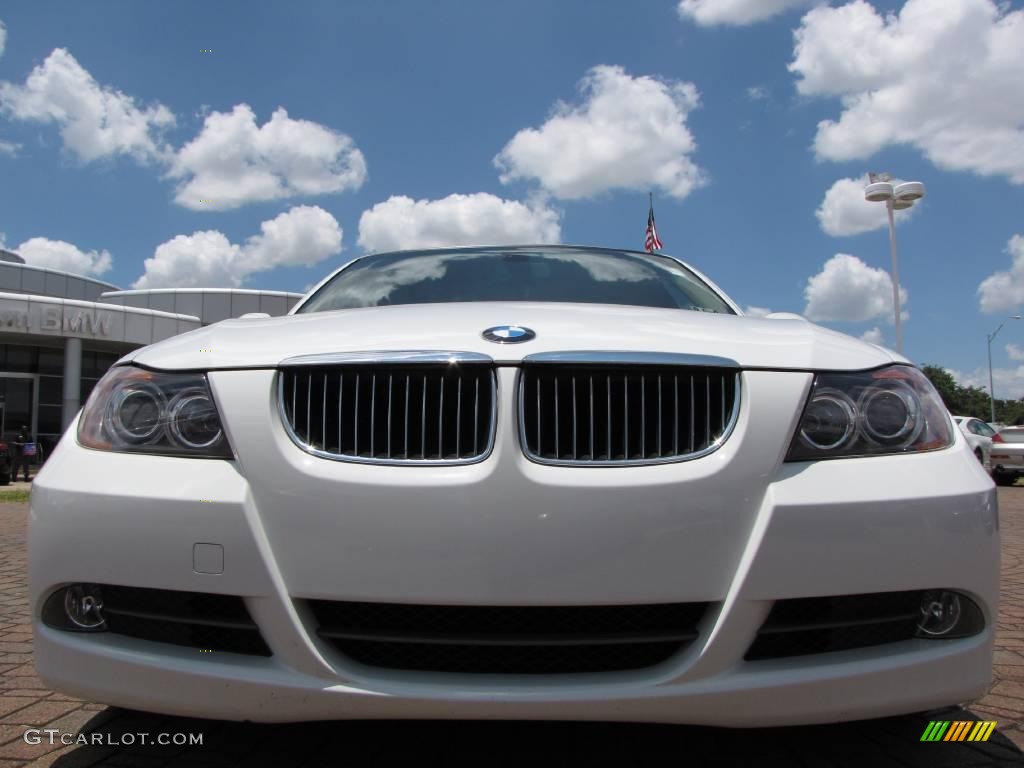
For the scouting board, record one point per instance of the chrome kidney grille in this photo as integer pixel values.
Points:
(423, 413)
(624, 414)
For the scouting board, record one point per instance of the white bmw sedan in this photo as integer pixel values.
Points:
(515, 482)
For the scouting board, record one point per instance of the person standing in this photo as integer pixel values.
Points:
(21, 441)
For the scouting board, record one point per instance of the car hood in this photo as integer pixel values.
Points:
(783, 343)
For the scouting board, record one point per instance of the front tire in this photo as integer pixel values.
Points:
(979, 456)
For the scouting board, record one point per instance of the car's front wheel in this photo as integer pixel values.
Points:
(979, 455)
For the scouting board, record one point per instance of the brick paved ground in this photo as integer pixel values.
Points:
(24, 703)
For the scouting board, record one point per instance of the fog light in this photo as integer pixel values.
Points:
(77, 607)
(83, 605)
(946, 614)
(940, 613)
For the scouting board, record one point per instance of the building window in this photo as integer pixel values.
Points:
(19, 359)
(15, 404)
(51, 360)
(49, 420)
(51, 390)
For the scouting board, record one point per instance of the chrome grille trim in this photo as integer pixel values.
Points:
(391, 409)
(629, 357)
(400, 357)
(642, 397)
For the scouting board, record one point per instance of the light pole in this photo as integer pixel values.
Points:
(880, 189)
(991, 386)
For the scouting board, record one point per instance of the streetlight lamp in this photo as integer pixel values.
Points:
(896, 197)
(991, 386)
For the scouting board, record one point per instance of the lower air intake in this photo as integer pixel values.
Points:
(521, 640)
(198, 620)
(813, 625)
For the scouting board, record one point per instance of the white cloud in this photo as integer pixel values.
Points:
(1003, 291)
(844, 211)
(234, 161)
(752, 311)
(231, 162)
(57, 254)
(302, 236)
(849, 290)
(758, 93)
(3, 37)
(1009, 382)
(873, 336)
(95, 121)
(1014, 352)
(202, 258)
(628, 133)
(478, 219)
(735, 12)
(9, 148)
(942, 76)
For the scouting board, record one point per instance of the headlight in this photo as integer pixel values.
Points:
(140, 411)
(889, 410)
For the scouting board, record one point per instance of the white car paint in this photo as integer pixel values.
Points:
(979, 436)
(739, 528)
(752, 342)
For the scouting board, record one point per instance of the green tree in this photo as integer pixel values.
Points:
(944, 382)
(972, 401)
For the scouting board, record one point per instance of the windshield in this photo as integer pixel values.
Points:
(517, 274)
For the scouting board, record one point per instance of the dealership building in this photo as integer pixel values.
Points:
(60, 332)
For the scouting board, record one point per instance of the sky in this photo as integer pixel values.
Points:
(263, 144)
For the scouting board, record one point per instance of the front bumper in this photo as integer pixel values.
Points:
(860, 685)
(739, 529)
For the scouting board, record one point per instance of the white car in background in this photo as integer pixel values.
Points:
(522, 482)
(1007, 455)
(979, 436)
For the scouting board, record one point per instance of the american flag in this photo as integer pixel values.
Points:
(651, 240)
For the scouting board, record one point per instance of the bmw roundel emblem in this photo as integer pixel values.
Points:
(508, 334)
